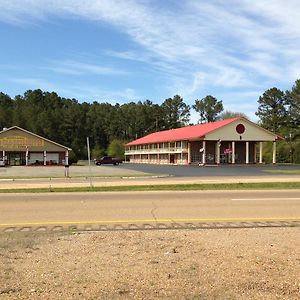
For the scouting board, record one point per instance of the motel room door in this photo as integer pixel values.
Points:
(172, 158)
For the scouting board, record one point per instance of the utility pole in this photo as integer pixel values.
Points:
(88, 150)
(89, 159)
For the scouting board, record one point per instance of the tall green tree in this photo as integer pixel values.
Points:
(6, 111)
(272, 111)
(293, 103)
(98, 120)
(176, 112)
(141, 118)
(208, 108)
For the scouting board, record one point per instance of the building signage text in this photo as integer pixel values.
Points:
(20, 142)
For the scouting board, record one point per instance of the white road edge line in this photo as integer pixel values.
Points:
(266, 199)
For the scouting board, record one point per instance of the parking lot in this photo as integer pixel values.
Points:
(141, 170)
(213, 170)
(73, 171)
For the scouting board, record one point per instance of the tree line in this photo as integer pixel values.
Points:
(108, 126)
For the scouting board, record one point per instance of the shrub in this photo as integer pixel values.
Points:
(116, 149)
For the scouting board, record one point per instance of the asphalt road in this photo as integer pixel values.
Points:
(147, 207)
(112, 175)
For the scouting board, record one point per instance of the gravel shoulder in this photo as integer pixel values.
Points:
(178, 264)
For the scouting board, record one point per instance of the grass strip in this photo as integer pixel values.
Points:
(166, 187)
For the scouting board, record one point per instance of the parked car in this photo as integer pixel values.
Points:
(108, 160)
(2, 163)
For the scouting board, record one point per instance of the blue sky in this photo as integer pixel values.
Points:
(130, 50)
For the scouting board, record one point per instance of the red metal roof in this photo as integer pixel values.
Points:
(181, 134)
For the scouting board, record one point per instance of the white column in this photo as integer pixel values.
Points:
(45, 157)
(26, 157)
(181, 162)
(247, 152)
(204, 152)
(67, 158)
(260, 152)
(233, 152)
(189, 152)
(218, 146)
(274, 152)
(3, 157)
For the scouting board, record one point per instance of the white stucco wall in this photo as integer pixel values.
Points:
(252, 133)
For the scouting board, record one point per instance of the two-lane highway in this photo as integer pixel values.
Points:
(53, 209)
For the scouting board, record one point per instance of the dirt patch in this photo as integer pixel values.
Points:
(183, 264)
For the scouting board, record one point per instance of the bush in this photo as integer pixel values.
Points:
(116, 149)
(97, 152)
(283, 150)
(296, 153)
(267, 152)
(72, 158)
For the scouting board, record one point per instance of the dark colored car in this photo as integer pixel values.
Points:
(108, 160)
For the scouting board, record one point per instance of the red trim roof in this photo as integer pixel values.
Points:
(181, 134)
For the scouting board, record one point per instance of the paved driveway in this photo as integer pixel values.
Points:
(223, 170)
(74, 171)
(142, 170)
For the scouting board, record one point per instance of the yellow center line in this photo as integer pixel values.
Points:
(149, 221)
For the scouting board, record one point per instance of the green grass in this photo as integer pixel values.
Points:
(167, 187)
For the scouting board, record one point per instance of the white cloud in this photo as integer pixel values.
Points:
(220, 44)
(79, 68)
(79, 91)
(37, 83)
(97, 93)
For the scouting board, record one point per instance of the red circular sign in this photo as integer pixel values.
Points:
(240, 128)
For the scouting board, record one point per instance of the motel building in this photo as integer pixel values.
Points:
(232, 141)
(20, 147)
